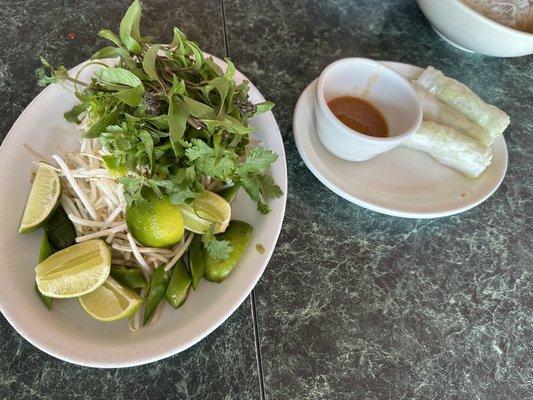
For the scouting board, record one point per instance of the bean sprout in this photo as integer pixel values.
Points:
(94, 201)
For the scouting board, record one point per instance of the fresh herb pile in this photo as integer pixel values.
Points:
(143, 208)
(168, 116)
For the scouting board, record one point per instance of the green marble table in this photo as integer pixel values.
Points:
(354, 304)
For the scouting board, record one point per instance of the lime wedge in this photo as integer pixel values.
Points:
(214, 208)
(111, 302)
(207, 209)
(192, 221)
(74, 271)
(43, 198)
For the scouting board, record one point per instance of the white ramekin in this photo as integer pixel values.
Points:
(385, 89)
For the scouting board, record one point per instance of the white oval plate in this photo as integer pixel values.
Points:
(67, 332)
(402, 182)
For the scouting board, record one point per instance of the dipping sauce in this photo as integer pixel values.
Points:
(359, 115)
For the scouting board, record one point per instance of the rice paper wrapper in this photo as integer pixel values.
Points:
(441, 113)
(451, 148)
(459, 97)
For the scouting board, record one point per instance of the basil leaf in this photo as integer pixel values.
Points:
(126, 58)
(99, 126)
(222, 86)
(230, 71)
(149, 61)
(106, 52)
(197, 54)
(132, 97)
(179, 39)
(177, 149)
(263, 107)
(199, 110)
(214, 66)
(107, 34)
(177, 119)
(129, 28)
(230, 124)
(160, 121)
(118, 76)
(72, 115)
(178, 87)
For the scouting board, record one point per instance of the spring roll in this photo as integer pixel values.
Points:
(441, 113)
(462, 99)
(450, 147)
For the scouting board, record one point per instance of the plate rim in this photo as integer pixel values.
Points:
(395, 212)
(221, 318)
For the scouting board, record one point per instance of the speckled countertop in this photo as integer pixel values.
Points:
(354, 304)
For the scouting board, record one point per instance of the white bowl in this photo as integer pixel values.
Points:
(66, 332)
(467, 29)
(387, 90)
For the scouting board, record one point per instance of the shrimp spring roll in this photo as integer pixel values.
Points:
(441, 113)
(462, 99)
(451, 148)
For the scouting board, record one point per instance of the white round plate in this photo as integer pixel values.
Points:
(403, 182)
(67, 332)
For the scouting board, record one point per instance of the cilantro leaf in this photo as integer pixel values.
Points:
(208, 163)
(47, 74)
(148, 143)
(268, 187)
(99, 126)
(43, 79)
(261, 188)
(132, 189)
(257, 160)
(199, 149)
(217, 249)
(219, 169)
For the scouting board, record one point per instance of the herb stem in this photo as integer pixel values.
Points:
(76, 82)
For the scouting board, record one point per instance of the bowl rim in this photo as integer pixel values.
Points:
(352, 134)
(505, 28)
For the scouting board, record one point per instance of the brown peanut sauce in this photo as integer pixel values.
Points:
(359, 115)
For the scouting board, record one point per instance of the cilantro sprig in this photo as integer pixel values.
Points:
(169, 118)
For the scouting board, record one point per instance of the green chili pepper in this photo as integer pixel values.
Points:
(238, 234)
(179, 285)
(230, 192)
(132, 278)
(158, 287)
(45, 251)
(60, 230)
(196, 261)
